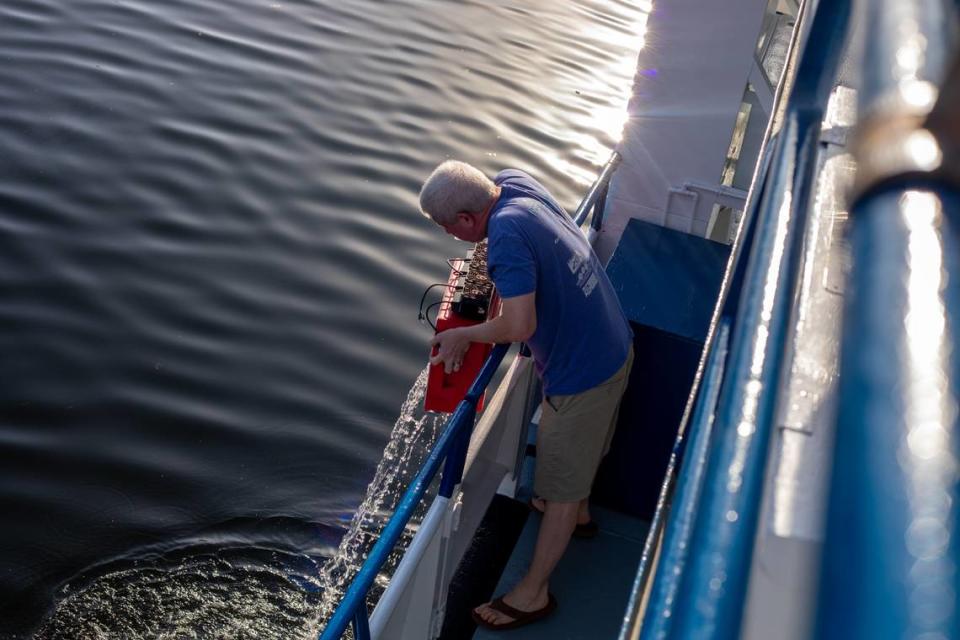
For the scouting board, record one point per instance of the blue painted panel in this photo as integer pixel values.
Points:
(630, 475)
(667, 279)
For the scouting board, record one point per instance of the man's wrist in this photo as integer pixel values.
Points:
(467, 333)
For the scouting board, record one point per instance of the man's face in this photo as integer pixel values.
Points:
(465, 227)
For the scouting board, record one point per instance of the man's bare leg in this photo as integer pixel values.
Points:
(530, 594)
(583, 512)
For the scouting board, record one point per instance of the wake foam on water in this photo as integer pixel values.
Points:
(194, 593)
(215, 587)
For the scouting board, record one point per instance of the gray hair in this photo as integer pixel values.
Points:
(454, 187)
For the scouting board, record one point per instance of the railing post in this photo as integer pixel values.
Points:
(598, 188)
(361, 623)
(453, 467)
(598, 207)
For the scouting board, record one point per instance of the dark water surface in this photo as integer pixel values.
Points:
(210, 261)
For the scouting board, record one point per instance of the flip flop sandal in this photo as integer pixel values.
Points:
(584, 531)
(520, 618)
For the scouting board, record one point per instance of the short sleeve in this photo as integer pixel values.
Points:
(511, 262)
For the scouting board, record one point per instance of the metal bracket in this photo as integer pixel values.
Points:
(912, 134)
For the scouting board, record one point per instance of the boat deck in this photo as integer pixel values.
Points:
(592, 582)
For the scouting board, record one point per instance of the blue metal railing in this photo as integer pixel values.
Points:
(700, 586)
(689, 487)
(710, 599)
(890, 562)
(452, 446)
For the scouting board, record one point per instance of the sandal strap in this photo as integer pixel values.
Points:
(499, 605)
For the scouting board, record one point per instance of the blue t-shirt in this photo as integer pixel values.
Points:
(582, 335)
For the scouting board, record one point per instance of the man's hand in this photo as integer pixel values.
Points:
(517, 322)
(453, 346)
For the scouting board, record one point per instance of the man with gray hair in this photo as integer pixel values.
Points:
(556, 298)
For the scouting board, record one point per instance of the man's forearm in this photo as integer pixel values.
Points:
(497, 330)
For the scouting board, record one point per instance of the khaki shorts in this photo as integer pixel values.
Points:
(574, 434)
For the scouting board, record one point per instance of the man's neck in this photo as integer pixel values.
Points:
(484, 218)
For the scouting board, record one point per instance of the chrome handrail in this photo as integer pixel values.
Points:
(596, 197)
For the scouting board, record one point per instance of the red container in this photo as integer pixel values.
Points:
(446, 390)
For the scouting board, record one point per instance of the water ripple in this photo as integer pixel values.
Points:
(210, 259)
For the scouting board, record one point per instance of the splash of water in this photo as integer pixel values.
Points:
(411, 440)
